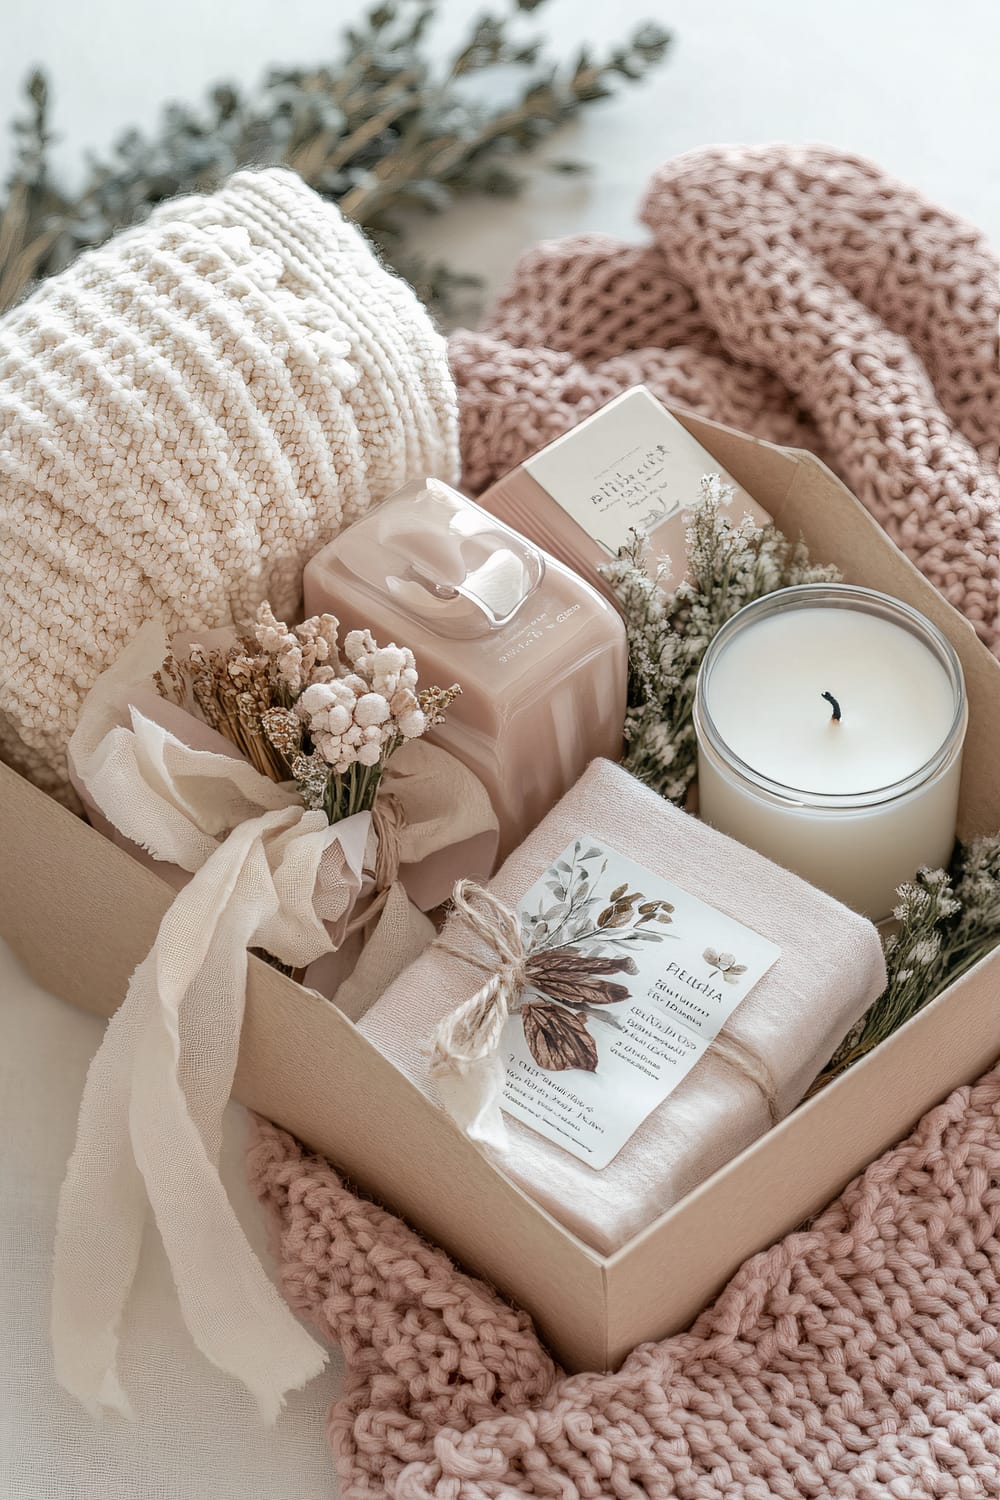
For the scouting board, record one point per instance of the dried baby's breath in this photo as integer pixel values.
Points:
(283, 729)
(435, 702)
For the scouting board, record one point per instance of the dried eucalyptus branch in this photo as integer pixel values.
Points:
(383, 131)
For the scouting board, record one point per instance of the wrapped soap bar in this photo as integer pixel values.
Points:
(645, 997)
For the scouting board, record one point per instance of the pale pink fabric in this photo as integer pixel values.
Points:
(797, 294)
(805, 297)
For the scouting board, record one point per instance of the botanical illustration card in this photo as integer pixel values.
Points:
(629, 980)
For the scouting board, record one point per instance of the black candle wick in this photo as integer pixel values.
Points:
(834, 705)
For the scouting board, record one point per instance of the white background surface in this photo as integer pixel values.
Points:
(196, 1434)
(912, 83)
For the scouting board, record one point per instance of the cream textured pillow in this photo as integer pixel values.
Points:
(186, 415)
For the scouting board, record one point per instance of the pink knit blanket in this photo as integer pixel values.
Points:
(799, 295)
(859, 1358)
(804, 297)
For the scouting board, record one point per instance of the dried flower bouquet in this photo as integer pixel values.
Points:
(262, 808)
(269, 850)
(300, 709)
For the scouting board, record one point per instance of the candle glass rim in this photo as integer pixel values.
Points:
(839, 596)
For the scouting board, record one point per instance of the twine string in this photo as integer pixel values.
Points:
(738, 1054)
(387, 820)
(471, 1033)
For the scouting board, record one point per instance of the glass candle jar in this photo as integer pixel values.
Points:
(539, 654)
(830, 723)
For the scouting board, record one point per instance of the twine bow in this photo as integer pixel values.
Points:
(473, 1030)
(465, 1046)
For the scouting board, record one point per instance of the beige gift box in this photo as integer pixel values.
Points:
(82, 913)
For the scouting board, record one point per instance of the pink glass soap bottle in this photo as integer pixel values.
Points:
(539, 654)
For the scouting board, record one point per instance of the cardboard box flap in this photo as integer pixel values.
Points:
(764, 470)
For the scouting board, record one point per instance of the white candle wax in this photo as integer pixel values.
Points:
(856, 803)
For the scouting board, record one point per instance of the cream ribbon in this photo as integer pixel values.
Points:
(267, 873)
(264, 872)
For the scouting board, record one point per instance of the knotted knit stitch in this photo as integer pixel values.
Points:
(800, 295)
(857, 1360)
(186, 415)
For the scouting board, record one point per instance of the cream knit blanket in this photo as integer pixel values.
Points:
(186, 415)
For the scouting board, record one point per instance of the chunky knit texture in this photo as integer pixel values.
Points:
(186, 415)
(800, 295)
(806, 298)
(858, 1360)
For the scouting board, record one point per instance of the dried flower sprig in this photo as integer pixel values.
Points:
(298, 708)
(947, 921)
(299, 657)
(730, 563)
(352, 723)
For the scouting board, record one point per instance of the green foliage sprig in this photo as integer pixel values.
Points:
(729, 562)
(947, 921)
(383, 131)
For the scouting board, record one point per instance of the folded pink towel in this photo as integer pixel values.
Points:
(830, 971)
